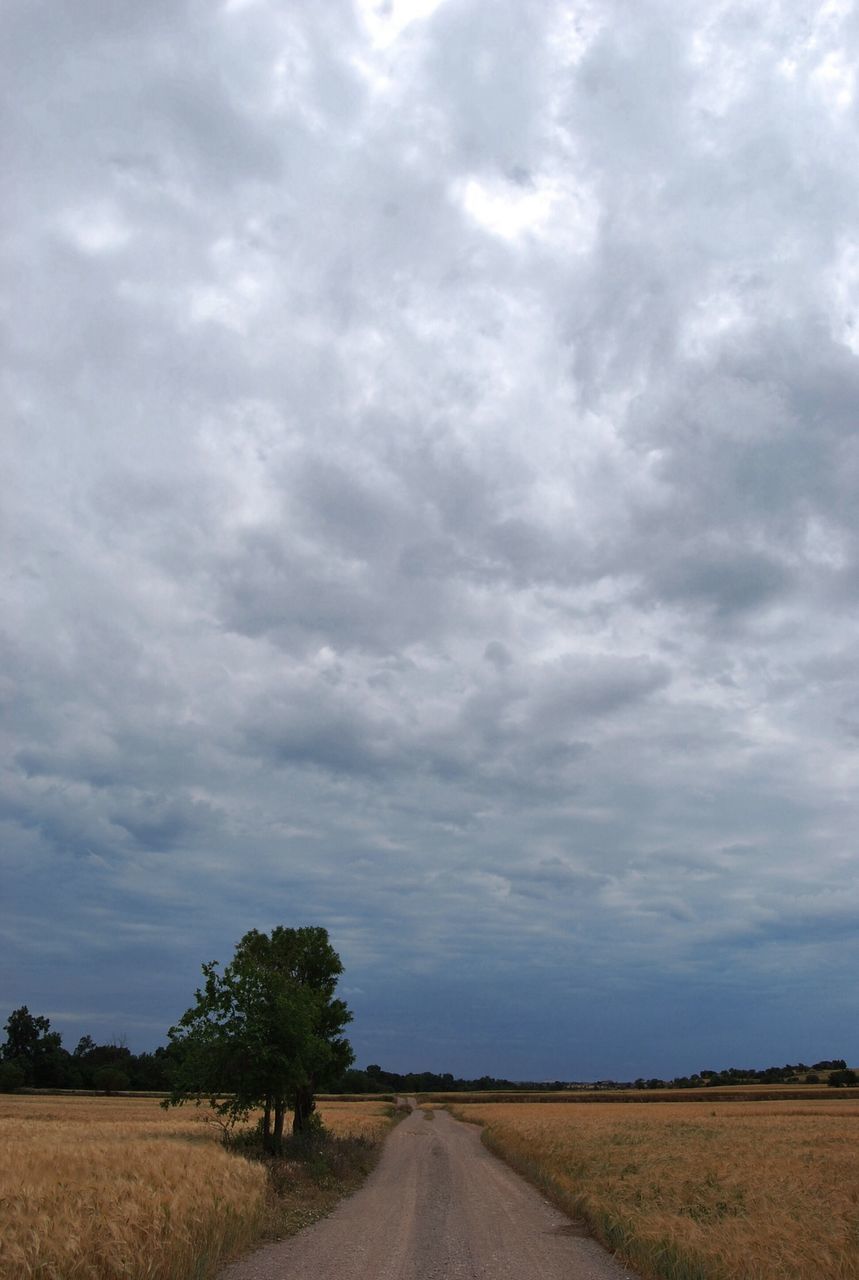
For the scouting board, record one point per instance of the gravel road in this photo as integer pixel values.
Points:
(438, 1206)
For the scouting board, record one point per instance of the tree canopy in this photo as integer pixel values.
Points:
(31, 1048)
(266, 1030)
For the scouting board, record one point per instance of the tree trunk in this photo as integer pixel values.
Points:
(277, 1136)
(266, 1124)
(303, 1109)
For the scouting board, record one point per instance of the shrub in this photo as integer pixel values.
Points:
(110, 1079)
(12, 1077)
(840, 1078)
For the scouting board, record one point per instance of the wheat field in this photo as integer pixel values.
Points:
(110, 1188)
(698, 1191)
(370, 1120)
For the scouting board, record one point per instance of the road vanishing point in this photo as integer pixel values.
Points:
(438, 1206)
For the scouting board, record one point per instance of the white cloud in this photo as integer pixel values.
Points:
(835, 80)
(844, 282)
(387, 20)
(541, 208)
(95, 229)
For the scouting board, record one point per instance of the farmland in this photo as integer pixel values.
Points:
(587, 1096)
(697, 1190)
(95, 1188)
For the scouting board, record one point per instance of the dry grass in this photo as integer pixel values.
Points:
(696, 1191)
(103, 1188)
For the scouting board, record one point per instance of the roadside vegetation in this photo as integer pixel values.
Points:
(697, 1190)
(317, 1170)
(98, 1188)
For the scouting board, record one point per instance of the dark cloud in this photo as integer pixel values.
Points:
(731, 581)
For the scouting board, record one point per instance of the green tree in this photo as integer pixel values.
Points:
(36, 1049)
(12, 1077)
(110, 1079)
(84, 1047)
(89, 1058)
(266, 1031)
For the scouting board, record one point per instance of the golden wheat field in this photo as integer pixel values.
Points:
(103, 1188)
(370, 1120)
(697, 1191)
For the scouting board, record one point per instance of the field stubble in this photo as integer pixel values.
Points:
(98, 1188)
(695, 1191)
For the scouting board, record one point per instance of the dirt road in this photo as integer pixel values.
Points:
(437, 1207)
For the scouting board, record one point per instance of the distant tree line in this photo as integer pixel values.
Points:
(33, 1057)
(374, 1080)
(835, 1069)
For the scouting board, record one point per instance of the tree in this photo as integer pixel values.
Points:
(36, 1049)
(90, 1059)
(23, 1033)
(12, 1077)
(151, 1072)
(110, 1079)
(266, 1031)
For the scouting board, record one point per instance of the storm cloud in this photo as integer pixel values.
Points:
(430, 464)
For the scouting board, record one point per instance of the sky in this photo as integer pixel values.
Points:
(429, 510)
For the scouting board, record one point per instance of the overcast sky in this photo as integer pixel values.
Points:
(429, 509)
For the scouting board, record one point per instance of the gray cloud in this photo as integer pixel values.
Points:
(430, 511)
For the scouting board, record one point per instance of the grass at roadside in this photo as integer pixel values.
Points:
(305, 1185)
(101, 1188)
(695, 1191)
